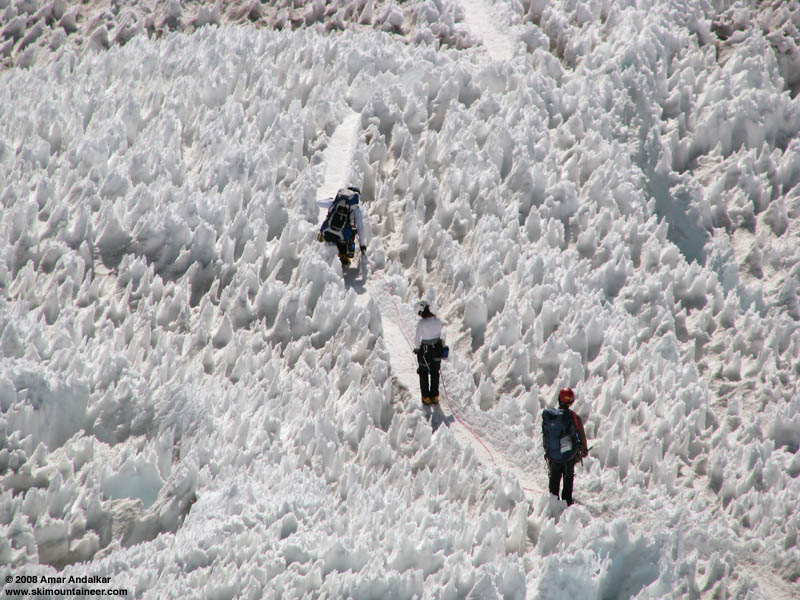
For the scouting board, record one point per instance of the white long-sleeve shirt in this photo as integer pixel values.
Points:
(429, 328)
(356, 218)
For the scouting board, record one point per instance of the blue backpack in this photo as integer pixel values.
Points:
(338, 224)
(559, 436)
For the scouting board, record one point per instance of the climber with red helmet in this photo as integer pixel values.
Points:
(564, 441)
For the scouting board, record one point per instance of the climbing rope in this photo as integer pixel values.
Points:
(449, 403)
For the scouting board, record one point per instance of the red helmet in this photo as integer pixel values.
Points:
(566, 396)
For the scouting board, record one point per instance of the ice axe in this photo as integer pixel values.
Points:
(587, 452)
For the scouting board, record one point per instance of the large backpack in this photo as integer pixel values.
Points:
(338, 226)
(560, 437)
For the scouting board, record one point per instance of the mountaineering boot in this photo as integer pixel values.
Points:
(435, 399)
(426, 400)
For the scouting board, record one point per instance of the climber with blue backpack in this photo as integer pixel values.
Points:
(564, 441)
(343, 223)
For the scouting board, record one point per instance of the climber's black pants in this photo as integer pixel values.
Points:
(565, 471)
(429, 363)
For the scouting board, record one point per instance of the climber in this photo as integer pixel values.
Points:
(429, 348)
(564, 441)
(343, 222)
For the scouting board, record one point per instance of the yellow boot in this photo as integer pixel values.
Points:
(426, 400)
(435, 399)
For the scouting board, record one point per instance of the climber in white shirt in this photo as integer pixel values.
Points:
(428, 345)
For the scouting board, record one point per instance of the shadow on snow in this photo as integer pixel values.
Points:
(436, 416)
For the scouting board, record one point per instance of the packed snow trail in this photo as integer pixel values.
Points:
(338, 158)
(479, 22)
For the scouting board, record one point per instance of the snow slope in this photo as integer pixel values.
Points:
(197, 401)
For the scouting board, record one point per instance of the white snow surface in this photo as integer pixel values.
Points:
(195, 400)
